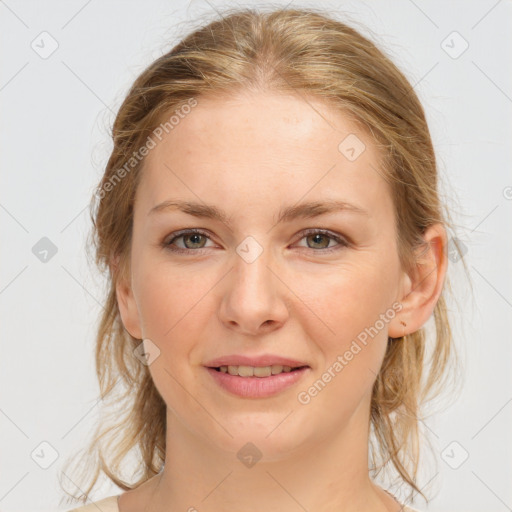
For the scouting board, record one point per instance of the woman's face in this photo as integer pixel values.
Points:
(318, 287)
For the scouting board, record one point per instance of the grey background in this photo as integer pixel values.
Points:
(56, 111)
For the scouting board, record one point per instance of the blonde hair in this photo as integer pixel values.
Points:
(291, 51)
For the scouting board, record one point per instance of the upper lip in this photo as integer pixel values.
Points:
(262, 360)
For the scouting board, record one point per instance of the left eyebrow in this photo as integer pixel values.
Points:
(287, 214)
(316, 208)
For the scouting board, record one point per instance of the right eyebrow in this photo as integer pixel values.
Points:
(192, 208)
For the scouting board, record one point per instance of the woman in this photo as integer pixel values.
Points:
(271, 226)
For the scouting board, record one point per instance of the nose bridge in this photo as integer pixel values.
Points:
(253, 297)
(251, 272)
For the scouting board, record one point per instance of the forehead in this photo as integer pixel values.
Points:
(260, 148)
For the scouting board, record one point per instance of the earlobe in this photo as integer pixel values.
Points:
(424, 286)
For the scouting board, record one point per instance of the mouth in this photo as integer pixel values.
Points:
(257, 371)
(256, 375)
(257, 381)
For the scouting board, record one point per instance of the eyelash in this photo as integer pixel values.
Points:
(167, 245)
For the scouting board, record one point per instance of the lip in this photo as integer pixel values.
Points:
(261, 360)
(257, 387)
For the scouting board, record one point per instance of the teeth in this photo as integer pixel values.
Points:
(255, 371)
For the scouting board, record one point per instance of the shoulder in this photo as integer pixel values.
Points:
(105, 505)
(409, 509)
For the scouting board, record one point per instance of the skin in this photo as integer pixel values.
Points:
(252, 154)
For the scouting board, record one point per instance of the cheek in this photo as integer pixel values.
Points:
(346, 300)
(172, 303)
(353, 345)
(350, 302)
(169, 299)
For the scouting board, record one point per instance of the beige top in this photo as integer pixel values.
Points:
(110, 505)
(105, 505)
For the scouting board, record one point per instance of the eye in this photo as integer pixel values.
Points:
(193, 240)
(321, 238)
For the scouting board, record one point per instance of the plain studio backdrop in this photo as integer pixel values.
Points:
(65, 69)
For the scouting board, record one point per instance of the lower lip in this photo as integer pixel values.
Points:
(256, 387)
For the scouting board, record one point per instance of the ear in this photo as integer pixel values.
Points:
(422, 288)
(126, 301)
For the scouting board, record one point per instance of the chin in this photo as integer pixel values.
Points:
(266, 438)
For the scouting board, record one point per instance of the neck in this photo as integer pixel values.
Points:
(328, 475)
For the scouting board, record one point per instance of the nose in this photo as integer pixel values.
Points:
(254, 301)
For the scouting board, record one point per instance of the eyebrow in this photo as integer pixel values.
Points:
(287, 214)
